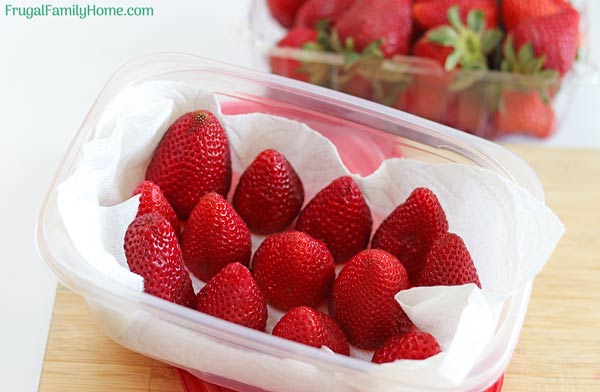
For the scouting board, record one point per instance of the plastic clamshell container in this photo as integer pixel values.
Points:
(484, 103)
(365, 133)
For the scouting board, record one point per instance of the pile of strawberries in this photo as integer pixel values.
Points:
(534, 43)
(185, 223)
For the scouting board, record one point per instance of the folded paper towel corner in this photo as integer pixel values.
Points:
(509, 233)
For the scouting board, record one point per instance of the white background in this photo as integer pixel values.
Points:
(51, 69)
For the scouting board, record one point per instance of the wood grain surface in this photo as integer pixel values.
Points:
(559, 347)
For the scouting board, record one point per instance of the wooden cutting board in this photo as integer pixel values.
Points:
(559, 348)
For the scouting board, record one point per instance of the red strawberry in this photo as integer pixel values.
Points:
(425, 48)
(411, 229)
(433, 13)
(311, 327)
(233, 295)
(339, 216)
(497, 387)
(295, 38)
(517, 11)
(362, 299)
(337, 339)
(449, 263)
(293, 269)
(192, 159)
(284, 11)
(468, 110)
(153, 252)
(411, 345)
(472, 42)
(357, 85)
(214, 236)
(269, 194)
(315, 11)
(370, 20)
(153, 200)
(555, 36)
(525, 112)
(429, 93)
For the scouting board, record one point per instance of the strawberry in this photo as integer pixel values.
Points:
(233, 295)
(368, 21)
(429, 91)
(314, 11)
(525, 112)
(153, 252)
(153, 200)
(449, 263)
(526, 108)
(471, 42)
(284, 11)
(432, 13)
(556, 37)
(293, 269)
(517, 11)
(192, 159)
(337, 341)
(357, 85)
(497, 386)
(311, 327)
(339, 216)
(411, 345)
(296, 38)
(269, 194)
(469, 110)
(428, 49)
(214, 236)
(411, 229)
(362, 299)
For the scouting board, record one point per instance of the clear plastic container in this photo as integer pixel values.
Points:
(488, 104)
(134, 319)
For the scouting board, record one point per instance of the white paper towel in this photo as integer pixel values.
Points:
(510, 234)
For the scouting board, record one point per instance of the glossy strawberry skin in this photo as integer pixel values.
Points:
(293, 269)
(370, 20)
(433, 13)
(410, 230)
(305, 325)
(269, 194)
(339, 216)
(412, 345)
(362, 299)
(191, 160)
(214, 236)
(554, 36)
(153, 200)
(152, 251)
(449, 263)
(284, 11)
(337, 340)
(517, 11)
(525, 112)
(295, 39)
(314, 11)
(234, 296)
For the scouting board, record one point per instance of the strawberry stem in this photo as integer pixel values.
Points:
(471, 43)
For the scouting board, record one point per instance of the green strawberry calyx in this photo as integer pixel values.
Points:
(524, 62)
(471, 43)
(329, 40)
